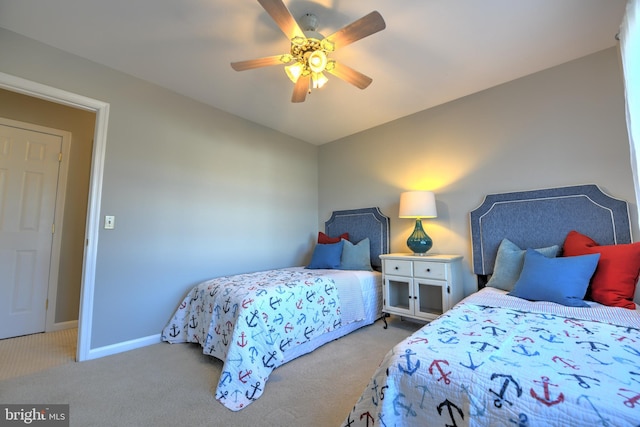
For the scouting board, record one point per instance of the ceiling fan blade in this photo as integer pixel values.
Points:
(350, 75)
(261, 62)
(300, 89)
(363, 27)
(282, 17)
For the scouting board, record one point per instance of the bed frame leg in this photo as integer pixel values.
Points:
(384, 319)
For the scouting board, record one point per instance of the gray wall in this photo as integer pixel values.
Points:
(562, 126)
(81, 125)
(196, 192)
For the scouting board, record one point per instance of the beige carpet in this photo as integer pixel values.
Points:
(173, 385)
(33, 353)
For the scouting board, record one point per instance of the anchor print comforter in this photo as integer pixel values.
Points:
(495, 360)
(248, 321)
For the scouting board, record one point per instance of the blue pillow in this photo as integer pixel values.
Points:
(356, 257)
(326, 255)
(509, 262)
(561, 280)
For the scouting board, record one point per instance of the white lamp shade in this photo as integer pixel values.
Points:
(418, 204)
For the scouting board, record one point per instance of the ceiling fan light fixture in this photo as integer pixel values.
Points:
(294, 71)
(317, 61)
(328, 45)
(319, 80)
(286, 58)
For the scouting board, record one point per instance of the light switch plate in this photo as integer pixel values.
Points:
(109, 222)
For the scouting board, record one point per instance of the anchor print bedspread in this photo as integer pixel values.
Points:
(493, 361)
(248, 321)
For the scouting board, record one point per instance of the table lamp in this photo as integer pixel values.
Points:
(418, 204)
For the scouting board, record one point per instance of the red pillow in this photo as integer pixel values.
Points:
(324, 239)
(614, 282)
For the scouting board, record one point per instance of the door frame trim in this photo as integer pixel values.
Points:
(101, 109)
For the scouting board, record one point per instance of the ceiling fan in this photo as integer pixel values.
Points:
(308, 56)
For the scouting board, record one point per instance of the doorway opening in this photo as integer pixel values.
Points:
(92, 221)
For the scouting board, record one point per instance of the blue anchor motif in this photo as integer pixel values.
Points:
(604, 421)
(450, 340)
(225, 377)
(500, 396)
(524, 351)
(268, 362)
(253, 351)
(631, 350)
(409, 368)
(252, 321)
(398, 404)
(302, 319)
(424, 389)
(522, 421)
(552, 339)
(235, 395)
(377, 397)
(279, 319)
(471, 365)
(479, 408)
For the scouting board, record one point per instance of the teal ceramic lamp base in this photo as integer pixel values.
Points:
(419, 242)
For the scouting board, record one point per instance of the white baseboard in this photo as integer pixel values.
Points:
(108, 350)
(60, 326)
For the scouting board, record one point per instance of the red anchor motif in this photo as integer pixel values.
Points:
(242, 376)
(288, 327)
(622, 338)
(246, 302)
(299, 304)
(565, 362)
(443, 375)
(631, 401)
(547, 394)
(242, 342)
(574, 322)
(523, 339)
(418, 339)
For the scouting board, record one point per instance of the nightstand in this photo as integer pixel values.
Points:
(420, 287)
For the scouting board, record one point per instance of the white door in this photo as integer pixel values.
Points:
(29, 167)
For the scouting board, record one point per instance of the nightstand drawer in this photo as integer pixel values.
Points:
(430, 270)
(397, 267)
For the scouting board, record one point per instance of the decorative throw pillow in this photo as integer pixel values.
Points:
(326, 256)
(614, 281)
(509, 261)
(356, 257)
(561, 280)
(324, 239)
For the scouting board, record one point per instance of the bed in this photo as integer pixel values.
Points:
(554, 358)
(258, 321)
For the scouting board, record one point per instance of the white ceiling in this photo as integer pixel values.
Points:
(431, 52)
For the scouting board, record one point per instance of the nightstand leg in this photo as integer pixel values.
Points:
(384, 319)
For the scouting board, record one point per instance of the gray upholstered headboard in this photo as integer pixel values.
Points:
(539, 218)
(362, 223)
